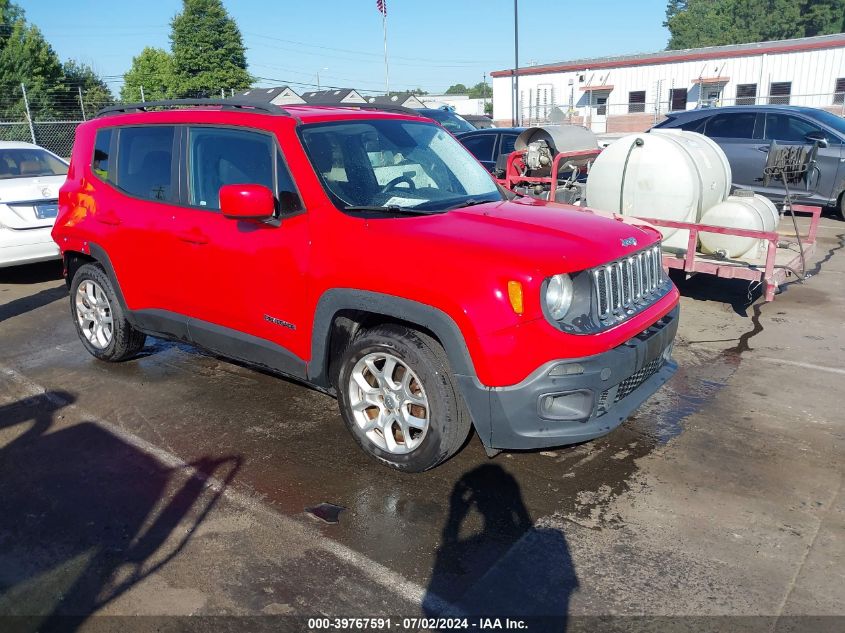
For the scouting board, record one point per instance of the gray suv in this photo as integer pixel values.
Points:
(745, 133)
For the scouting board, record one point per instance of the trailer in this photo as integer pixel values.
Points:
(785, 255)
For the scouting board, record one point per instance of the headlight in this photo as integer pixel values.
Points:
(558, 296)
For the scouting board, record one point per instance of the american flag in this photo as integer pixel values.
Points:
(381, 5)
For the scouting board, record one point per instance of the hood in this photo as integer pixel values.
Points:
(536, 235)
(19, 197)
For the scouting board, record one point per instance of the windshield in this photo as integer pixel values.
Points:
(27, 163)
(830, 120)
(398, 164)
(449, 120)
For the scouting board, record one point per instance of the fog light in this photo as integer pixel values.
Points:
(570, 405)
(567, 369)
(667, 353)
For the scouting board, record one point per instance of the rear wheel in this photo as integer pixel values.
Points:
(99, 319)
(399, 400)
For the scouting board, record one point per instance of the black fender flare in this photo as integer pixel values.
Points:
(338, 299)
(476, 396)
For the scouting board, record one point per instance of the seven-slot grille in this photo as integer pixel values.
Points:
(623, 286)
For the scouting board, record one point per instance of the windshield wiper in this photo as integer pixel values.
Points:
(390, 208)
(469, 202)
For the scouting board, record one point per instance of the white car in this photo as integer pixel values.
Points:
(30, 178)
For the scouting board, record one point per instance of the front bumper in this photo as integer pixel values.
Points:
(26, 246)
(568, 401)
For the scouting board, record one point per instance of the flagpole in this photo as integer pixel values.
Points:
(386, 72)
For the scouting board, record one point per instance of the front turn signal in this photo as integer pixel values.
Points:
(515, 296)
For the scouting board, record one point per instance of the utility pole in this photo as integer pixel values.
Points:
(142, 94)
(484, 93)
(515, 101)
(28, 114)
(81, 103)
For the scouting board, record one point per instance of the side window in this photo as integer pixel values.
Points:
(100, 160)
(732, 125)
(219, 156)
(145, 164)
(508, 141)
(789, 129)
(289, 201)
(481, 146)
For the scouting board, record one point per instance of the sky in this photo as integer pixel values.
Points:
(432, 44)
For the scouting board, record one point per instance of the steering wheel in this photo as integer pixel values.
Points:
(392, 184)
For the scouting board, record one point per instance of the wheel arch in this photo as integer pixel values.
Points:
(342, 313)
(96, 254)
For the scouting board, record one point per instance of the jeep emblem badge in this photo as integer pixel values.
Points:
(629, 241)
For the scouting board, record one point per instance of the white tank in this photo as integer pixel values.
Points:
(745, 210)
(665, 174)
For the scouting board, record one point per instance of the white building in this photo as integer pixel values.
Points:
(632, 92)
(462, 104)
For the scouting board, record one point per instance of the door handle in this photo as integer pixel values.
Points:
(109, 217)
(194, 236)
(763, 148)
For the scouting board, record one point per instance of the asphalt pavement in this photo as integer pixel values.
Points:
(178, 483)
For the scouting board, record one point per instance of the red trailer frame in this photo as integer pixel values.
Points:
(771, 274)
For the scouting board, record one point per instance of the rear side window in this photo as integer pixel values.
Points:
(145, 165)
(481, 146)
(100, 163)
(732, 125)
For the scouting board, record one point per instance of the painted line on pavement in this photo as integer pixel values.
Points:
(795, 363)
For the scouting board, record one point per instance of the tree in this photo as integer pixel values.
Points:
(152, 70)
(695, 23)
(26, 58)
(456, 89)
(82, 78)
(208, 51)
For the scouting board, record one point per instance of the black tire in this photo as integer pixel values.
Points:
(449, 421)
(126, 341)
(841, 207)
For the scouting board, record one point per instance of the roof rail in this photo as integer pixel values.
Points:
(239, 104)
(365, 106)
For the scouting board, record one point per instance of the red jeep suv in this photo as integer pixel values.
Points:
(367, 253)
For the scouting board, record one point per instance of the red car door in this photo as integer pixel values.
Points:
(247, 276)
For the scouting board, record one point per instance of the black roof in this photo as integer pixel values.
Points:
(492, 130)
(334, 95)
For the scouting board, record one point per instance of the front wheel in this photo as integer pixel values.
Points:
(399, 400)
(99, 318)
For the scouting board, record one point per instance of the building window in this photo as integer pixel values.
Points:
(746, 94)
(779, 92)
(636, 101)
(601, 106)
(677, 99)
(839, 91)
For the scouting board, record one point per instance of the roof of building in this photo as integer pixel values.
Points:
(264, 95)
(335, 95)
(691, 54)
(395, 99)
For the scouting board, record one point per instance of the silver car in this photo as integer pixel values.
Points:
(746, 133)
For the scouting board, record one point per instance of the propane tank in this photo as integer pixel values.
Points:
(743, 209)
(668, 175)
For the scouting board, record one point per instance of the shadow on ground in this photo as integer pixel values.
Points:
(493, 562)
(86, 515)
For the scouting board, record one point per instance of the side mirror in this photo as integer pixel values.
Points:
(247, 202)
(818, 138)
